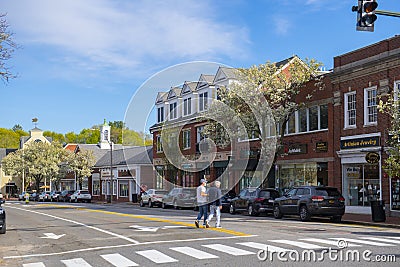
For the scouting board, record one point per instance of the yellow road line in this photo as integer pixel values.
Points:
(148, 218)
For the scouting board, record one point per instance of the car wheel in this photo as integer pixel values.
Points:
(3, 230)
(277, 212)
(232, 209)
(141, 203)
(150, 203)
(250, 210)
(176, 205)
(336, 219)
(304, 214)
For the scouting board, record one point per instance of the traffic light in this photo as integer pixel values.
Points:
(365, 15)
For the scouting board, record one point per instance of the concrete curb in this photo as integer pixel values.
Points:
(386, 225)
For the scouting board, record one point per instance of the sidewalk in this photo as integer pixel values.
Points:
(366, 219)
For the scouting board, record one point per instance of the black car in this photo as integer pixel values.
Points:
(2, 216)
(308, 201)
(254, 201)
(226, 200)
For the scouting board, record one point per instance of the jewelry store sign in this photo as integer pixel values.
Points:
(360, 142)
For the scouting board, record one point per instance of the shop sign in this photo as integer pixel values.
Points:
(372, 157)
(297, 149)
(360, 142)
(187, 165)
(321, 147)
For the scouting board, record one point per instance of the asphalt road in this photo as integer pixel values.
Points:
(61, 234)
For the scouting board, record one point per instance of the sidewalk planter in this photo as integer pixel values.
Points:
(378, 211)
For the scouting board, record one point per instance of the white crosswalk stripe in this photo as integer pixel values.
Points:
(381, 239)
(365, 242)
(394, 237)
(78, 262)
(298, 244)
(264, 247)
(230, 250)
(327, 242)
(195, 253)
(34, 264)
(118, 260)
(156, 256)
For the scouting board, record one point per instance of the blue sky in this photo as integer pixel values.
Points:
(81, 61)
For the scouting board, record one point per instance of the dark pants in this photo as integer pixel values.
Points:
(203, 209)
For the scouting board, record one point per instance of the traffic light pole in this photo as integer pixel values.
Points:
(387, 13)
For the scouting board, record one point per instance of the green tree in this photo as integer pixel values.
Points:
(88, 136)
(17, 127)
(7, 47)
(55, 136)
(71, 137)
(8, 138)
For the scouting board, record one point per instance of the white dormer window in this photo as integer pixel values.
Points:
(187, 106)
(160, 114)
(173, 111)
(203, 99)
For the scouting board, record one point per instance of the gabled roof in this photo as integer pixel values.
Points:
(161, 97)
(71, 147)
(224, 73)
(189, 87)
(205, 80)
(174, 92)
(138, 155)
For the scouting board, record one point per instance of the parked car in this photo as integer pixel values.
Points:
(34, 196)
(152, 197)
(81, 196)
(308, 201)
(254, 201)
(44, 196)
(22, 195)
(180, 197)
(2, 216)
(54, 195)
(226, 199)
(65, 195)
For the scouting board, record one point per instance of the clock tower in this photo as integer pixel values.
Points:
(105, 135)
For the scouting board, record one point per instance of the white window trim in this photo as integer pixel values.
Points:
(346, 116)
(186, 100)
(366, 115)
(396, 92)
(159, 147)
(174, 111)
(183, 138)
(158, 114)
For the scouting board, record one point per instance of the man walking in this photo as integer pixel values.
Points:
(214, 197)
(201, 202)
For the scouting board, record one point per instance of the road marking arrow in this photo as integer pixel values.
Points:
(144, 228)
(52, 236)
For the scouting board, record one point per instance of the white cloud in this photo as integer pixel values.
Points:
(282, 25)
(125, 34)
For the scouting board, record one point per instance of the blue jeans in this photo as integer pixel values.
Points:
(203, 209)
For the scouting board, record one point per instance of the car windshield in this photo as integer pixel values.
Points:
(331, 192)
(189, 192)
(161, 192)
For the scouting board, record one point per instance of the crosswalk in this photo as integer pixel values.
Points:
(215, 251)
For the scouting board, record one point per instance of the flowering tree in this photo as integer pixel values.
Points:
(264, 97)
(81, 164)
(391, 107)
(39, 161)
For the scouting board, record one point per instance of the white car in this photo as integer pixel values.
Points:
(44, 196)
(81, 196)
(152, 197)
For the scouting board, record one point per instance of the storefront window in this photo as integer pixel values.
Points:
(291, 175)
(96, 187)
(396, 194)
(123, 189)
(361, 184)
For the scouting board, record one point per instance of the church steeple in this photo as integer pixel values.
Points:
(105, 135)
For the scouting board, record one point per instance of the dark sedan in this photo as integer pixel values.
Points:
(226, 200)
